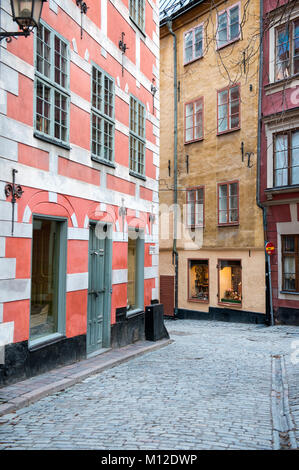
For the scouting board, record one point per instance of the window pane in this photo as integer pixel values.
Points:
(199, 280)
(295, 158)
(281, 160)
(223, 204)
(234, 22)
(222, 29)
(296, 47)
(45, 278)
(230, 282)
(289, 271)
(222, 111)
(198, 42)
(188, 46)
(282, 53)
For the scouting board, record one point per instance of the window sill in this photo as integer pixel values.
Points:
(228, 131)
(45, 341)
(138, 27)
(228, 43)
(193, 60)
(277, 84)
(234, 224)
(199, 301)
(231, 304)
(289, 292)
(133, 313)
(141, 177)
(282, 189)
(192, 141)
(51, 140)
(103, 162)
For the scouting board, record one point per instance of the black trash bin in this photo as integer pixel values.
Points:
(154, 323)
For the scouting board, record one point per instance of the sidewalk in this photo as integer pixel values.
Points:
(20, 394)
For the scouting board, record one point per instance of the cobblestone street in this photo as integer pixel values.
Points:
(215, 387)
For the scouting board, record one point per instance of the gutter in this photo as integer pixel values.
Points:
(175, 256)
(269, 304)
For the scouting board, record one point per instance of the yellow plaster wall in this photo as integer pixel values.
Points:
(215, 159)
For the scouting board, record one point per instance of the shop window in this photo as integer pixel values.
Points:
(286, 158)
(193, 44)
(198, 279)
(52, 94)
(230, 282)
(228, 26)
(194, 120)
(290, 263)
(228, 115)
(287, 50)
(102, 116)
(47, 309)
(135, 286)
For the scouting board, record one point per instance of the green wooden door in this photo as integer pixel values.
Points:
(97, 291)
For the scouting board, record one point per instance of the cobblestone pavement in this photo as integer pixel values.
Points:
(212, 388)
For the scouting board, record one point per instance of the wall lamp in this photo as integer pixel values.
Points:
(27, 14)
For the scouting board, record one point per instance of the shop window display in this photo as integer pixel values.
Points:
(230, 281)
(198, 271)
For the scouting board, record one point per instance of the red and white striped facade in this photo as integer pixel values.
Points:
(68, 183)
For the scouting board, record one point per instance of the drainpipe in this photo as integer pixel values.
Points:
(269, 314)
(175, 255)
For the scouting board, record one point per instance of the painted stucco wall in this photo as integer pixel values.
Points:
(67, 183)
(216, 158)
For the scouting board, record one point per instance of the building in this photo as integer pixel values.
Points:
(279, 122)
(79, 136)
(212, 262)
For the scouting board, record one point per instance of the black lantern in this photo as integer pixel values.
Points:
(27, 14)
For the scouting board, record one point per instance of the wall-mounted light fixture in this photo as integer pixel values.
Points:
(153, 91)
(83, 9)
(15, 191)
(123, 47)
(27, 14)
(123, 212)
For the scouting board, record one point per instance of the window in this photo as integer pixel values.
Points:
(198, 280)
(228, 26)
(137, 10)
(135, 287)
(230, 281)
(286, 158)
(51, 86)
(102, 116)
(228, 203)
(290, 263)
(47, 308)
(228, 109)
(137, 137)
(193, 44)
(194, 120)
(287, 50)
(195, 207)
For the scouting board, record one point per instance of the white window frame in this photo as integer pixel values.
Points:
(278, 21)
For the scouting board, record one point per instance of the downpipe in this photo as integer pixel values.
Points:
(175, 255)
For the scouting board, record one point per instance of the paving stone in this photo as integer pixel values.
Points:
(209, 389)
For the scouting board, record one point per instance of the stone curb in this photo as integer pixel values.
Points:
(72, 378)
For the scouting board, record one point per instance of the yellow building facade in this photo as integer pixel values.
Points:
(209, 61)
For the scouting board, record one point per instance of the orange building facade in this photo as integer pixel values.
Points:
(79, 139)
